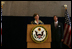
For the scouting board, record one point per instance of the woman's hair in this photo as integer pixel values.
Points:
(54, 16)
(35, 14)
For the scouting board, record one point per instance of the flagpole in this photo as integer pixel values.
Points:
(65, 6)
(2, 2)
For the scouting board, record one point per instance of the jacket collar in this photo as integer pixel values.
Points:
(36, 22)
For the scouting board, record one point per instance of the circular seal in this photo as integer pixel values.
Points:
(39, 34)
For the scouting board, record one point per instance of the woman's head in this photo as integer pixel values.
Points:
(36, 16)
(55, 18)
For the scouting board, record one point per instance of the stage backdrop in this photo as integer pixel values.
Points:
(15, 30)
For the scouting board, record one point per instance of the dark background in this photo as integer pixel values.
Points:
(14, 30)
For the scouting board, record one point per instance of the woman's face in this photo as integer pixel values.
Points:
(36, 17)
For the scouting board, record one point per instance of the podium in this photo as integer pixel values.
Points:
(31, 43)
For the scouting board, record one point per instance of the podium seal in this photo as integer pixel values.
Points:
(39, 34)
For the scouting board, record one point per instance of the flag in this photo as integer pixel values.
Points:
(1, 25)
(67, 30)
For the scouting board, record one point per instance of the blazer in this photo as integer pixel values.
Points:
(40, 22)
(57, 33)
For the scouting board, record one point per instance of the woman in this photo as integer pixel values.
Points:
(36, 21)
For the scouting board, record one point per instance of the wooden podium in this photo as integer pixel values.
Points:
(32, 44)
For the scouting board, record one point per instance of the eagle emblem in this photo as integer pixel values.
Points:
(39, 34)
